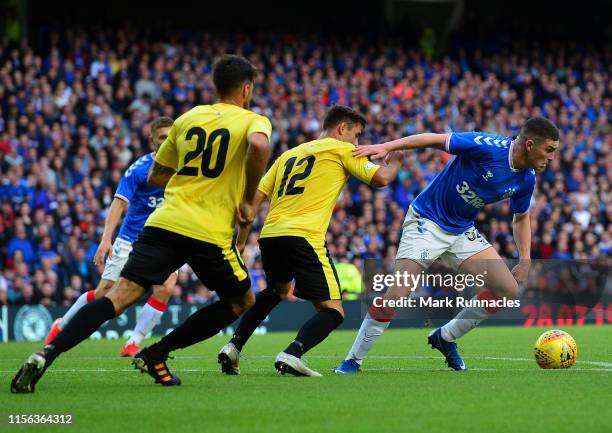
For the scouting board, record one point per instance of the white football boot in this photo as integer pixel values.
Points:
(286, 363)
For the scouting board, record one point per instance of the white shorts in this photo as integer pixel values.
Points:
(114, 264)
(423, 241)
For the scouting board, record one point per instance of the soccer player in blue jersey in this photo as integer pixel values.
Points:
(140, 199)
(439, 224)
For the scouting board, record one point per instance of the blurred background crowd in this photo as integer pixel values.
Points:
(75, 108)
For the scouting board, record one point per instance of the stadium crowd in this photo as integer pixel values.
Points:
(74, 111)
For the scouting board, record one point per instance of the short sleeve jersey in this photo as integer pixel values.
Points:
(304, 183)
(207, 146)
(481, 173)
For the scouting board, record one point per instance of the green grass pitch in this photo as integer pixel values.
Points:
(404, 387)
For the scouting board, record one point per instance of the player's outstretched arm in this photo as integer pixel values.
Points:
(418, 141)
(521, 229)
(387, 174)
(159, 175)
(115, 212)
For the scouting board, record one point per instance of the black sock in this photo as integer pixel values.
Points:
(84, 323)
(266, 301)
(202, 324)
(314, 331)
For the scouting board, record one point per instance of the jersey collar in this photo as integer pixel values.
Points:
(510, 158)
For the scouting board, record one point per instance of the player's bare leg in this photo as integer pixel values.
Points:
(124, 294)
(267, 299)
(329, 316)
(87, 320)
(201, 325)
(104, 286)
(498, 282)
(377, 320)
(150, 315)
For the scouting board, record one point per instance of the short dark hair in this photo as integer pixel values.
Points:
(538, 129)
(160, 122)
(230, 72)
(341, 113)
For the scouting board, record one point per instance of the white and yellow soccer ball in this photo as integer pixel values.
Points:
(555, 349)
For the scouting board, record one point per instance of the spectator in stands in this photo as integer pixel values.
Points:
(48, 255)
(20, 243)
(177, 296)
(73, 116)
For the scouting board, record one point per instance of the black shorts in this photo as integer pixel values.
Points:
(307, 261)
(158, 252)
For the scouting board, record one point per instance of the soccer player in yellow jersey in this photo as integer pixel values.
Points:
(210, 166)
(303, 186)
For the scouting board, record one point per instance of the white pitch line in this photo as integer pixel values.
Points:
(263, 370)
(599, 363)
(247, 357)
(499, 358)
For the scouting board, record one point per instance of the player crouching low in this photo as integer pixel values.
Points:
(303, 186)
(440, 224)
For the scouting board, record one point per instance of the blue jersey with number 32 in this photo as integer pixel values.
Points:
(481, 173)
(143, 199)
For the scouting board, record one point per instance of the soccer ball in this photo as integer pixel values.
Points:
(555, 349)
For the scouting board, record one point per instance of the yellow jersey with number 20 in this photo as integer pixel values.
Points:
(304, 183)
(207, 146)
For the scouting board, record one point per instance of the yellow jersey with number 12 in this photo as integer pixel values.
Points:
(304, 183)
(207, 146)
